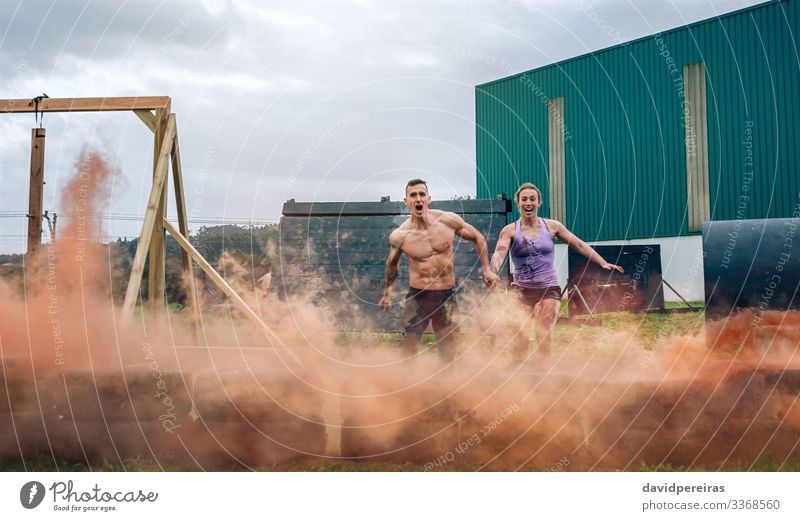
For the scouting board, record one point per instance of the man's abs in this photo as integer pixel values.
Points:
(436, 272)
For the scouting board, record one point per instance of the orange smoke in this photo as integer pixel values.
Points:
(82, 389)
(64, 319)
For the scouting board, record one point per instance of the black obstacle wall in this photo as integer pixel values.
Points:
(639, 288)
(751, 263)
(335, 253)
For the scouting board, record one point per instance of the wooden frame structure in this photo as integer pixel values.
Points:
(155, 113)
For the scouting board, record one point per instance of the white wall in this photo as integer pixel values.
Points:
(681, 264)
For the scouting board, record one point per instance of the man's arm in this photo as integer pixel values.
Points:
(572, 240)
(392, 270)
(470, 233)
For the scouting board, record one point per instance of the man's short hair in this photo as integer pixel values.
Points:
(528, 186)
(414, 182)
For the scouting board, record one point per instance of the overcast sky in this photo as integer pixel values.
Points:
(278, 100)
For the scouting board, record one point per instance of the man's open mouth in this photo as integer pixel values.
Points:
(418, 206)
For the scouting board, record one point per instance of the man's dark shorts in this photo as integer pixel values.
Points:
(422, 305)
(532, 296)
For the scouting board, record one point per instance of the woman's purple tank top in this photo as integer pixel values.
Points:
(533, 258)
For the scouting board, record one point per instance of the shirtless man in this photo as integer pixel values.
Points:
(427, 240)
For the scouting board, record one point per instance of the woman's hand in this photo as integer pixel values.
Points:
(609, 266)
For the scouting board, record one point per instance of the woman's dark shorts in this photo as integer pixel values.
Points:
(532, 296)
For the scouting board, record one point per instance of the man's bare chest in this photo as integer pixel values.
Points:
(421, 245)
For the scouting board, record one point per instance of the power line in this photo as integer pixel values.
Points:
(140, 218)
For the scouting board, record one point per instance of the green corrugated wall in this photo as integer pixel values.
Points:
(625, 155)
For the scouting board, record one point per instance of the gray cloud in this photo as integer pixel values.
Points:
(279, 99)
(51, 30)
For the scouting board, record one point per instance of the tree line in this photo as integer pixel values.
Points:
(251, 247)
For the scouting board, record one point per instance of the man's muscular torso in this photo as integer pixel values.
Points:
(429, 250)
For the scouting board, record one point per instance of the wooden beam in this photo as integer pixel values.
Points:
(217, 279)
(36, 190)
(234, 297)
(183, 226)
(156, 280)
(320, 209)
(148, 118)
(134, 283)
(86, 104)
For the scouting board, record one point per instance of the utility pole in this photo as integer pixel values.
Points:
(51, 224)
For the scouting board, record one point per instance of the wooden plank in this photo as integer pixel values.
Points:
(148, 118)
(359, 224)
(474, 206)
(357, 310)
(344, 208)
(355, 239)
(234, 297)
(36, 190)
(333, 209)
(156, 280)
(313, 283)
(345, 228)
(86, 104)
(345, 272)
(143, 246)
(331, 266)
(220, 282)
(183, 226)
(387, 222)
(215, 277)
(464, 254)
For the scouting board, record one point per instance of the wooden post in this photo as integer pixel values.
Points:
(183, 226)
(158, 259)
(135, 282)
(36, 191)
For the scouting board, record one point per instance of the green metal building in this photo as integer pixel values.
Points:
(649, 138)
